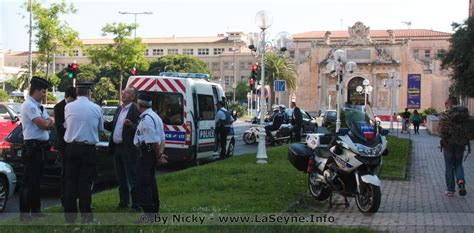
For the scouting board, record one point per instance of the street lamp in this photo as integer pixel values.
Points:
(366, 90)
(259, 45)
(135, 13)
(340, 66)
(392, 83)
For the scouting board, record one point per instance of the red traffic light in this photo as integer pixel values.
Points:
(254, 67)
(134, 71)
(74, 65)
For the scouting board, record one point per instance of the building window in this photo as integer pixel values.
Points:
(157, 52)
(415, 53)
(292, 53)
(172, 51)
(228, 66)
(75, 53)
(228, 80)
(188, 51)
(146, 52)
(215, 66)
(218, 51)
(427, 53)
(203, 51)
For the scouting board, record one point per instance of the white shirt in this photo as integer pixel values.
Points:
(30, 110)
(118, 130)
(150, 129)
(83, 120)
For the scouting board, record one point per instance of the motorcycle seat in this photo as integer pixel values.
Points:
(323, 152)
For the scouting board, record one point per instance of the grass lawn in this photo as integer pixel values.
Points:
(395, 164)
(236, 185)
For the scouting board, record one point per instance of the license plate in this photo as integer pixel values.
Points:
(18, 153)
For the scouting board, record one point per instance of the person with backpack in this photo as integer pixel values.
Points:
(223, 123)
(416, 119)
(453, 131)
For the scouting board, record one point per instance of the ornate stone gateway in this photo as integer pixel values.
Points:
(353, 97)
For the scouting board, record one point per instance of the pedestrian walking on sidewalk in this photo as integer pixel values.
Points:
(416, 119)
(454, 139)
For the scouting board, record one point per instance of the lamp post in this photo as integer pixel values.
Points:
(392, 83)
(340, 66)
(259, 45)
(135, 14)
(366, 90)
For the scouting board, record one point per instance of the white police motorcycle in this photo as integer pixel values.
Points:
(347, 164)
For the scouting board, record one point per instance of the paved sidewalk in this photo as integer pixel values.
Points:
(418, 205)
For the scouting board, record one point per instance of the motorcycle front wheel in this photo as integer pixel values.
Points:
(317, 189)
(249, 138)
(368, 201)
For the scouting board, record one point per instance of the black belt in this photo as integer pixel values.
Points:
(36, 142)
(81, 144)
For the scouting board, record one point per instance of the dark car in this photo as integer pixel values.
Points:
(11, 152)
(309, 123)
(329, 118)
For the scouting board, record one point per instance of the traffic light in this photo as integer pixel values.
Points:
(133, 71)
(252, 84)
(72, 70)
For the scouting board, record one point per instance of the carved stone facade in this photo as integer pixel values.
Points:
(375, 52)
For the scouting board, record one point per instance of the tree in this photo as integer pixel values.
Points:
(177, 63)
(3, 96)
(124, 54)
(241, 91)
(460, 58)
(279, 68)
(104, 90)
(89, 72)
(52, 35)
(22, 78)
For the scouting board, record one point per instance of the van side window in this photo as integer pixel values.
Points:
(206, 107)
(169, 106)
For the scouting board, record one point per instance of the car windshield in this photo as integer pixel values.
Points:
(361, 122)
(109, 111)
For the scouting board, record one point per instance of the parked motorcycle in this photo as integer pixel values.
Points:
(347, 164)
(283, 135)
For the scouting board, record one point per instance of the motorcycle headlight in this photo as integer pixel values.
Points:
(368, 151)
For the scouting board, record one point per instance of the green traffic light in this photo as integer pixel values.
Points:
(70, 75)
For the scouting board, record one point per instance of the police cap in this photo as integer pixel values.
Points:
(84, 84)
(40, 82)
(144, 97)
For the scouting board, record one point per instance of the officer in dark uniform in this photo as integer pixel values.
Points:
(83, 121)
(36, 122)
(150, 138)
(69, 96)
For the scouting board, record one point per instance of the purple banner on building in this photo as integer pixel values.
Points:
(414, 91)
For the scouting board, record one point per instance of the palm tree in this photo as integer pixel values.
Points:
(21, 82)
(279, 68)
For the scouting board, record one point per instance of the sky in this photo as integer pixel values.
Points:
(211, 17)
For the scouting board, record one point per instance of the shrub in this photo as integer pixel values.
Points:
(3, 96)
(51, 99)
(236, 106)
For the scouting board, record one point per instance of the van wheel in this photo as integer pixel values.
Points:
(230, 150)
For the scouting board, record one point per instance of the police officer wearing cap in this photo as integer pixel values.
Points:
(36, 122)
(150, 139)
(83, 121)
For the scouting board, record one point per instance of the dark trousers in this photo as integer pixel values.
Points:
(416, 126)
(33, 158)
(147, 190)
(63, 176)
(80, 172)
(268, 131)
(297, 132)
(125, 160)
(223, 132)
(454, 172)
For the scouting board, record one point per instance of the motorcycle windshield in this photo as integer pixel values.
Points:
(362, 124)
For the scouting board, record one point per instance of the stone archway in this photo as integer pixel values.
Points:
(353, 97)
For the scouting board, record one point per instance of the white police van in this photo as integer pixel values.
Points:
(186, 102)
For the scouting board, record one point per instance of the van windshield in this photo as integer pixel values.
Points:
(169, 106)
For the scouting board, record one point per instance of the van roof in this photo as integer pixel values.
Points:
(165, 83)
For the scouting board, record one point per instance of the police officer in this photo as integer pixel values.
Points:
(150, 138)
(36, 122)
(83, 120)
(223, 123)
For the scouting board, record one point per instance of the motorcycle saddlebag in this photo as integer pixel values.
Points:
(298, 155)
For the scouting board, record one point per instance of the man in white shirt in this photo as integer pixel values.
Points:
(83, 121)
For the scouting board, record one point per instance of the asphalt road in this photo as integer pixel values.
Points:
(51, 197)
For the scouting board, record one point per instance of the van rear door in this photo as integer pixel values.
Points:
(206, 121)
